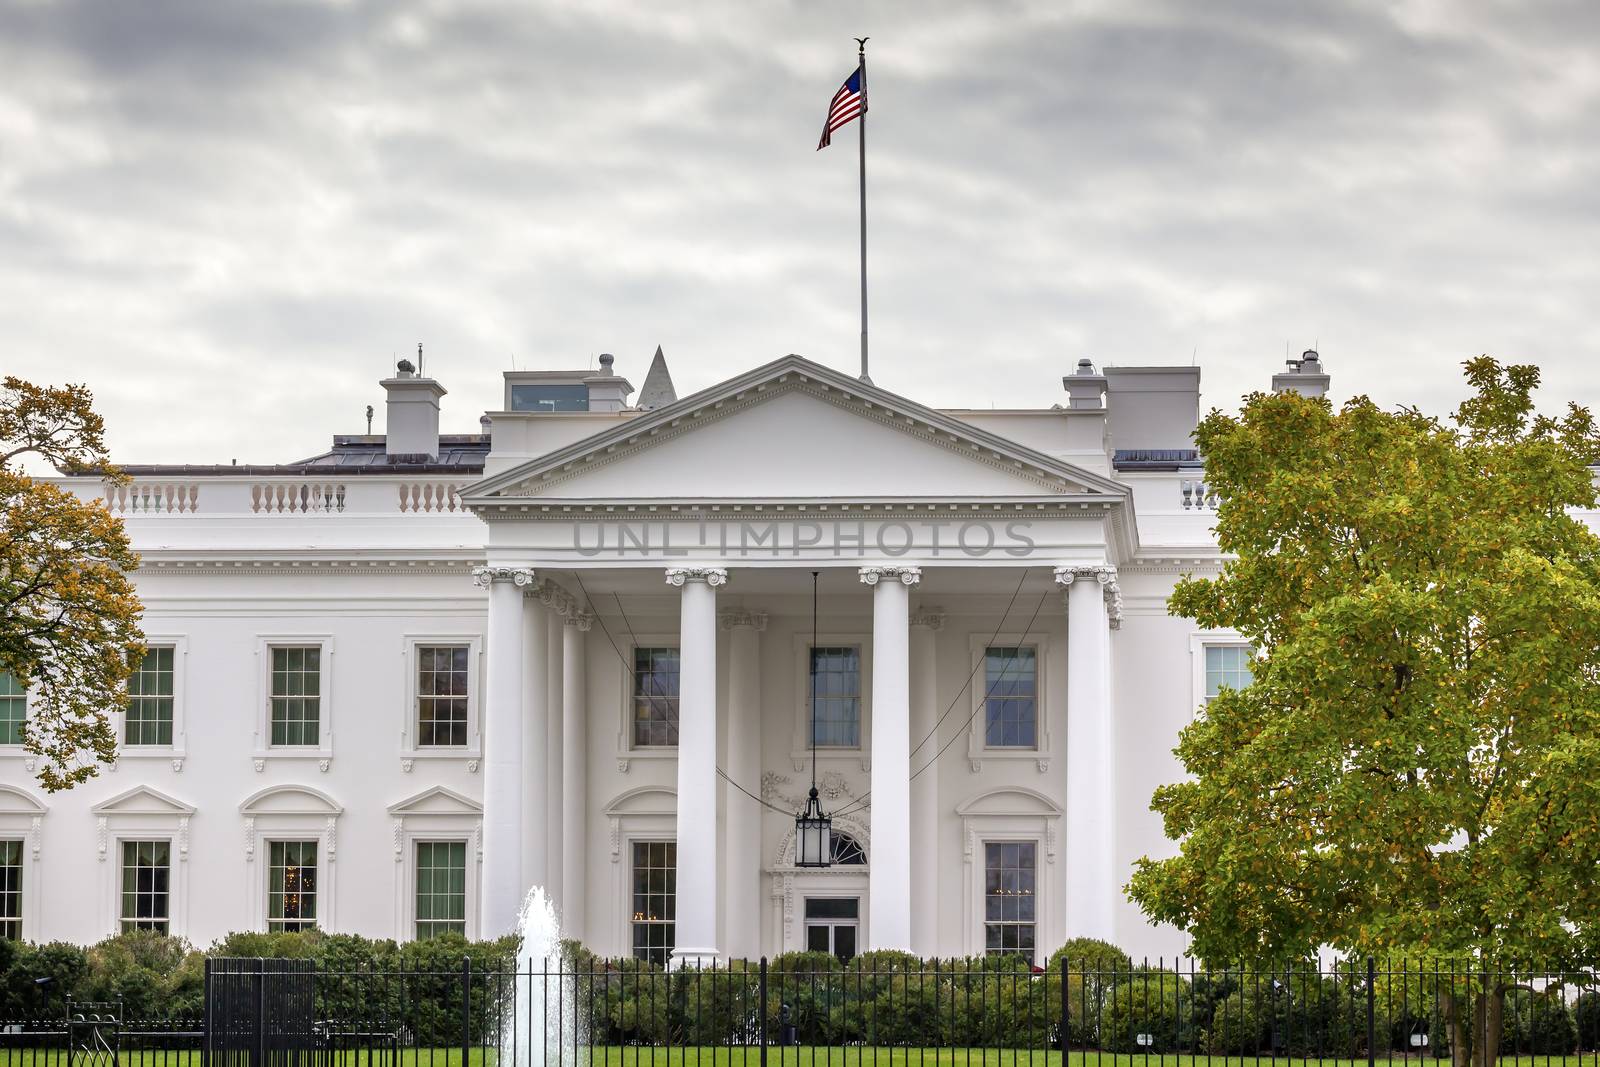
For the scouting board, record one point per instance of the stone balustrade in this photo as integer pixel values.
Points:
(268, 497)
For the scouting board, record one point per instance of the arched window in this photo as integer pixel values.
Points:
(847, 851)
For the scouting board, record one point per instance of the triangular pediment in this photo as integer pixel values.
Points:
(793, 430)
(142, 800)
(437, 801)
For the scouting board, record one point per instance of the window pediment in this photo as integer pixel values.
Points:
(1009, 801)
(143, 800)
(436, 801)
(290, 800)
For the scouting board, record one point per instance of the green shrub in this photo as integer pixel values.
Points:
(1538, 1024)
(1091, 967)
(39, 979)
(1586, 1017)
(1237, 1026)
(153, 975)
(1145, 1013)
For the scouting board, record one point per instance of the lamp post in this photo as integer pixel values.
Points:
(813, 830)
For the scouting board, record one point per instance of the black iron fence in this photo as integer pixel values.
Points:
(806, 1010)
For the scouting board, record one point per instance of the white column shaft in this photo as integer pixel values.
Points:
(502, 755)
(574, 758)
(924, 791)
(555, 777)
(889, 888)
(1090, 826)
(698, 870)
(742, 849)
(535, 744)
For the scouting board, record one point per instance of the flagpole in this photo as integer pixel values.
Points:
(862, 55)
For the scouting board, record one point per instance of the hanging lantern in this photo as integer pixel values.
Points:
(813, 835)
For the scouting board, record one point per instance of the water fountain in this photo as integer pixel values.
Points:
(543, 1020)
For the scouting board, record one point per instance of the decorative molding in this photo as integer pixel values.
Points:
(35, 834)
(1043, 765)
(712, 576)
(183, 839)
(583, 620)
(521, 577)
(472, 766)
(323, 764)
(399, 832)
(907, 575)
(623, 765)
(347, 567)
(741, 617)
(260, 765)
(614, 828)
(177, 765)
(831, 786)
(928, 618)
(102, 834)
(555, 597)
(477, 841)
(249, 838)
(30, 761)
(406, 765)
(331, 832)
(1106, 575)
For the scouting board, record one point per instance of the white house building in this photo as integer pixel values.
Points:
(392, 686)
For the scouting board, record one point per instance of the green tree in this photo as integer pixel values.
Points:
(1416, 766)
(69, 619)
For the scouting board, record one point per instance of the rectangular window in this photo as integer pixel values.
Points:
(655, 880)
(441, 888)
(832, 924)
(1008, 897)
(837, 708)
(1011, 702)
(13, 709)
(10, 890)
(149, 720)
(291, 885)
(296, 695)
(146, 885)
(442, 695)
(1227, 665)
(655, 696)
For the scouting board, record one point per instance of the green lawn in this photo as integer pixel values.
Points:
(788, 1057)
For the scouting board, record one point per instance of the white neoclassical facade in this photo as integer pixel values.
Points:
(392, 686)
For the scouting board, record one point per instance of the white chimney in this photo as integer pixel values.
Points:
(413, 416)
(1305, 376)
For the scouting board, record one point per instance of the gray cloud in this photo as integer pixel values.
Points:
(228, 218)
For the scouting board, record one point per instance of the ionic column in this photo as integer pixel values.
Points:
(742, 848)
(925, 786)
(1090, 818)
(574, 760)
(555, 801)
(698, 869)
(535, 744)
(889, 867)
(501, 890)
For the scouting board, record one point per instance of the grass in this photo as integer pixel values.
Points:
(779, 1057)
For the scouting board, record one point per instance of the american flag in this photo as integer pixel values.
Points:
(849, 102)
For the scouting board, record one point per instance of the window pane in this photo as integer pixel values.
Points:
(296, 705)
(1011, 698)
(655, 875)
(1009, 911)
(291, 885)
(441, 904)
(441, 695)
(655, 697)
(13, 709)
(150, 698)
(11, 890)
(836, 675)
(1227, 666)
(145, 885)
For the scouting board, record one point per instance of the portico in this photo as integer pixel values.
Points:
(986, 553)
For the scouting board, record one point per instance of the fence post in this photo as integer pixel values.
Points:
(260, 1048)
(205, 1040)
(466, 1008)
(1372, 1013)
(1065, 1007)
(762, 992)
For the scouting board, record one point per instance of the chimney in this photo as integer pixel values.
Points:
(607, 392)
(1086, 388)
(413, 415)
(1305, 376)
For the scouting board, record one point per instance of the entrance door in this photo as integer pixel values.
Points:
(831, 925)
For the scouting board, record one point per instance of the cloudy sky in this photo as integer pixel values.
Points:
(229, 219)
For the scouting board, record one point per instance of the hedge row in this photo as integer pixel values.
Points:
(882, 998)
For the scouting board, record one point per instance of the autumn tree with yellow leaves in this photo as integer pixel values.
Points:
(1415, 768)
(69, 633)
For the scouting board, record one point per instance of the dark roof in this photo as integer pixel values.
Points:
(1156, 459)
(350, 454)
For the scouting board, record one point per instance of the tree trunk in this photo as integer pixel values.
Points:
(1460, 1035)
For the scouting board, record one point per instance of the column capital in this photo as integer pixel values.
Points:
(739, 617)
(712, 576)
(1106, 575)
(907, 575)
(522, 577)
(928, 618)
(581, 619)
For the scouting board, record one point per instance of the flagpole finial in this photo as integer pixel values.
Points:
(861, 42)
